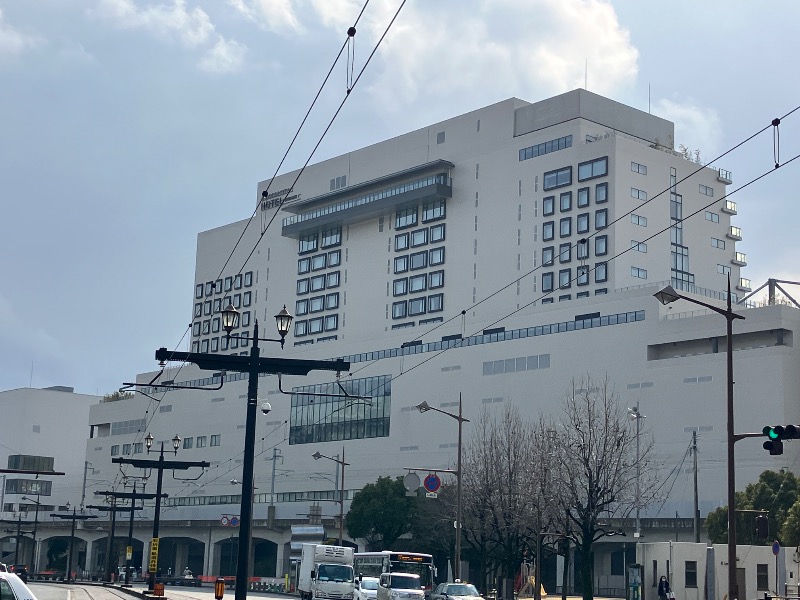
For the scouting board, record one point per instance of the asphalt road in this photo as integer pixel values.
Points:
(78, 591)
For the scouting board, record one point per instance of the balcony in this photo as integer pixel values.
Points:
(729, 207)
(739, 259)
(724, 176)
(743, 285)
(735, 233)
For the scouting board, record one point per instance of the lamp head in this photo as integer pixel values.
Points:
(176, 441)
(423, 406)
(317, 455)
(148, 441)
(667, 295)
(283, 321)
(230, 318)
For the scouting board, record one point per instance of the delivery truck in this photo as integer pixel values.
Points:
(326, 572)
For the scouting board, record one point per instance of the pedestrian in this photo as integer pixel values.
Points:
(664, 591)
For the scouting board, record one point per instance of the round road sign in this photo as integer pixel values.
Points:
(432, 483)
(776, 548)
(411, 482)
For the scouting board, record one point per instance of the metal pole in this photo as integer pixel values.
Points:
(246, 516)
(733, 592)
(16, 545)
(83, 485)
(110, 552)
(638, 477)
(35, 525)
(151, 580)
(71, 546)
(130, 539)
(272, 486)
(458, 495)
(341, 502)
(696, 520)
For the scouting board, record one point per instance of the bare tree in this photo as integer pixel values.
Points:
(597, 466)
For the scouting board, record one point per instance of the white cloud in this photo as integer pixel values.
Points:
(277, 16)
(192, 27)
(224, 57)
(696, 127)
(12, 42)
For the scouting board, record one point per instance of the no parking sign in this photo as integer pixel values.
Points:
(432, 483)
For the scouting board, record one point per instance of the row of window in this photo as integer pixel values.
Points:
(218, 287)
(419, 237)
(706, 190)
(638, 194)
(545, 148)
(516, 365)
(417, 306)
(316, 325)
(418, 283)
(326, 239)
(213, 325)
(319, 261)
(712, 216)
(217, 344)
(638, 273)
(638, 168)
(565, 199)
(582, 277)
(419, 260)
(581, 251)
(586, 170)
(318, 283)
(317, 304)
(210, 307)
(201, 441)
(431, 211)
(582, 223)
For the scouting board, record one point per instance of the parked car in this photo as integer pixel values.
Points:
(457, 590)
(13, 588)
(400, 586)
(366, 588)
(20, 571)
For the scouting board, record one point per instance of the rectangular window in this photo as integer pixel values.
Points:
(307, 243)
(638, 194)
(419, 237)
(301, 307)
(215, 440)
(334, 258)
(601, 245)
(247, 298)
(332, 301)
(558, 178)
(762, 577)
(639, 246)
(582, 249)
(548, 206)
(315, 325)
(198, 309)
(600, 272)
(405, 218)
(638, 273)
(565, 227)
(593, 168)
(638, 220)
(209, 288)
(401, 241)
(248, 279)
(601, 193)
(545, 148)
(416, 306)
(418, 283)
(706, 190)
(217, 305)
(332, 279)
(115, 450)
(715, 243)
(245, 318)
(436, 303)
(401, 264)
(547, 282)
(723, 270)
(188, 443)
(548, 230)
(437, 233)
(564, 278)
(565, 201)
(437, 256)
(690, 574)
(331, 237)
(206, 326)
(711, 216)
(601, 218)
(198, 290)
(204, 346)
(419, 260)
(318, 283)
(399, 310)
(215, 322)
(319, 262)
(583, 197)
(300, 328)
(432, 211)
(548, 256)
(228, 284)
(201, 441)
(317, 304)
(400, 287)
(565, 253)
(638, 168)
(237, 300)
(435, 279)
(583, 222)
(207, 307)
(583, 275)
(331, 322)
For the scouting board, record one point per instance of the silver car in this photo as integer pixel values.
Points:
(13, 588)
(455, 591)
(366, 588)
(400, 586)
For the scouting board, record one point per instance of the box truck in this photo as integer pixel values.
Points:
(326, 572)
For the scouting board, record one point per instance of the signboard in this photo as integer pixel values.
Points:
(776, 548)
(128, 552)
(432, 483)
(153, 566)
(411, 482)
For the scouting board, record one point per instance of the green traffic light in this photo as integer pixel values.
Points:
(773, 435)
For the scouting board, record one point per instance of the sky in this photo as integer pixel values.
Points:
(127, 127)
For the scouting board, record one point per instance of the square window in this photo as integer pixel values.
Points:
(300, 328)
(302, 286)
(419, 260)
(401, 241)
(437, 256)
(548, 230)
(216, 439)
(565, 227)
(565, 253)
(433, 210)
(331, 237)
(188, 443)
(419, 237)
(400, 287)
(307, 243)
(334, 258)
(601, 245)
(601, 193)
(418, 283)
(399, 310)
(548, 206)
(331, 322)
(401, 264)
(201, 441)
(318, 283)
(564, 278)
(600, 272)
(436, 303)
(416, 307)
(547, 282)
(315, 325)
(582, 222)
(318, 262)
(548, 256)
(583, 197)
(332, 279)
(332, 301)
(301, 307)
(565, 202)
(195, 346)
(437, 233)
(435, 279)
(601, 218)
(316, 304)
(405, 218)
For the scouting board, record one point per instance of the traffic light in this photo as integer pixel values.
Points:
(775, 436)
(762, 527)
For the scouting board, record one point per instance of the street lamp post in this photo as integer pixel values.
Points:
(342, 464)
(35, 525)
(148, 441)
(424, 407)
(73, 517)
(253, 365)
(635, 415)
(666, 296)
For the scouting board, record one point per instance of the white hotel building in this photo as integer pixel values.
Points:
(496, 255)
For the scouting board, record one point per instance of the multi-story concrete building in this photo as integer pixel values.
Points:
(494, 256)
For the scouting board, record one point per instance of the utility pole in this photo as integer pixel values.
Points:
(276, 454)
(696, 519)
(73, 517)
(112, 520)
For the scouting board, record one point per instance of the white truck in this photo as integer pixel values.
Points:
(326, 572)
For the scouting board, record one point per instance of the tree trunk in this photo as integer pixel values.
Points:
(587, 568)
(565, 574)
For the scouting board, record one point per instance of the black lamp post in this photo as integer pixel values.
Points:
(35, 525)
(424, 407)
(666, 296)
(342, 464)
(148, 442)
(253, 365)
